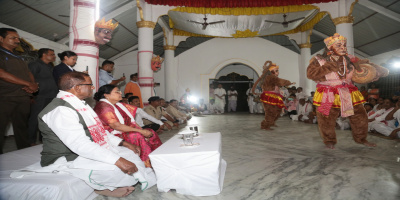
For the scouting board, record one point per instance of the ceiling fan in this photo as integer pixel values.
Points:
(205, 23)
(285, 23)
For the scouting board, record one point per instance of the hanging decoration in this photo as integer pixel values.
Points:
(103, 31)
(156, 63)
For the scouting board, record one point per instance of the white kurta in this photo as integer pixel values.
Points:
(140, 114)
(384, 129)
(220, 103)
(95, 164)
(302, 110)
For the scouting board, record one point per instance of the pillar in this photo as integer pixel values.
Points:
(305, 57)
(344, 26)
(81, 37)
(171, 73)
(145, 54)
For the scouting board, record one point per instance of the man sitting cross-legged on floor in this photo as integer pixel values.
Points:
(75, 142)
(385, 123)
(172, 110)
(304, 108)
(155, 110)
(157, 126)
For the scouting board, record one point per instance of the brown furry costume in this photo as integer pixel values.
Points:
(272, 100)
(335, 82)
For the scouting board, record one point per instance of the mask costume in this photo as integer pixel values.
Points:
(334, 72)
(103, 31)
(271, 98)
(156, 63)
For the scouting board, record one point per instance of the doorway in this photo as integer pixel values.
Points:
(240, 76)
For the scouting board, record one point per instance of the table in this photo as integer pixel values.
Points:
(190, 170)
(41, 185)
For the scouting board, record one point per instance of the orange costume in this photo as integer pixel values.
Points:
(134, 88)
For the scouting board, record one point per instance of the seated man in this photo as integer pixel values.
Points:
(75, 141)
(157, 125)
(391, 128)
(291, 104)
(155, 110)
(172, 109)
(379, 122)
(303, 110)
(312, 116)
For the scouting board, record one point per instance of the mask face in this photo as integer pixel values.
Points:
(290, 99)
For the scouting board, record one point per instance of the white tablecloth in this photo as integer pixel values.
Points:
(191, 170)
(40, 185)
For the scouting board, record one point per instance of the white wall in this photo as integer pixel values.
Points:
(39, 42)
(197, 65)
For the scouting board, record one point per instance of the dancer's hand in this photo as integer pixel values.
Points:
(293, 83)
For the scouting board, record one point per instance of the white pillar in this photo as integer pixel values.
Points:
(81, 37)
(171, 73)
(344, 26)
(145, 54)
(306, 83)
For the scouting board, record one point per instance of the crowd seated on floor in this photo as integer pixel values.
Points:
(383, 114)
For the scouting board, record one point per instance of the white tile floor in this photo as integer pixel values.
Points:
(291, 162)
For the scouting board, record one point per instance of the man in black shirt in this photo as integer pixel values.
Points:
(42, 70)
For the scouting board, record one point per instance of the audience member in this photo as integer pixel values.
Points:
(220, 94)
(232, 99)
(299, 92)
(373, 92)
(154, 109)
(105, 76)
(202, 108)
(312, 116)
(379, 122)
(304, 108)
(119, 119)
(16, 86)
(291, 104)
(42, 70)
(73, 132)
(156, 126)
(68, 61)
(172, 110)
(134, 88)
(311, 98)
(250, 100)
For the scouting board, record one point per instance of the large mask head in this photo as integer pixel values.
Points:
(156, 63)
(103, 31)
(337, 44)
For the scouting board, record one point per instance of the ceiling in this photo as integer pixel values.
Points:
(376, 27)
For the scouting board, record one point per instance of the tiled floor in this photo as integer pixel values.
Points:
(291, 162)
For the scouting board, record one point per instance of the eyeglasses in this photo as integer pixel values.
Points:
(86, 84)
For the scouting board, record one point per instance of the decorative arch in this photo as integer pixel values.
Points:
(214, 71)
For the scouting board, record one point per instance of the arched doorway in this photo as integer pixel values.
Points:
(238, 75)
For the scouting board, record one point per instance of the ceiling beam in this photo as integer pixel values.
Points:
(380, 9)
(156, 36)
(315, 32)
(110, 15)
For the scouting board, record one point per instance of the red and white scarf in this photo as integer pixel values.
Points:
(91, 119)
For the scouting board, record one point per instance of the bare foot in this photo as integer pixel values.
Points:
(119, 192)
(330, 145)
(369, 144)
(268, 129)
(393, 135)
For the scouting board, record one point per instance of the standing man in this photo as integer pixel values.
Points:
(134, 88)
(16, 86)
(42, 70)
(105, 76)
(232, 99)
(250, 100)
(220, 94)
